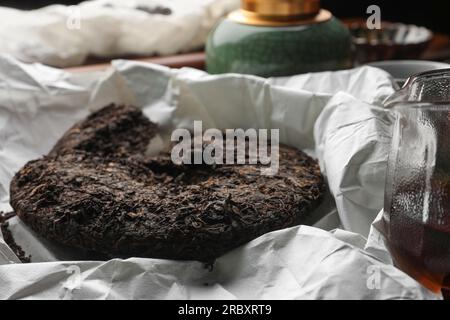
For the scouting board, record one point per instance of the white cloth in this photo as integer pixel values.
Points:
(65, 36)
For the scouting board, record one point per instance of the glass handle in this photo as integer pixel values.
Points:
(401, 95)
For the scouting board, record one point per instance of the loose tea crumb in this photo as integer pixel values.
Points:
(6, 216)
(156, 10)
(9, 239)
(165, 11)
(98, 191)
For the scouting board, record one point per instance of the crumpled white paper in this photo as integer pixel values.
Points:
(65, 36)
(337, 112)
(298, 263)
(353, 141)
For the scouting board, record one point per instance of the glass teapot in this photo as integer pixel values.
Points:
(417, 199)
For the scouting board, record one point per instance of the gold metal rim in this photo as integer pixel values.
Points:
(277, 9)
(253, 19)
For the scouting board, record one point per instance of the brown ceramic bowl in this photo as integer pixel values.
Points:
(393, 41)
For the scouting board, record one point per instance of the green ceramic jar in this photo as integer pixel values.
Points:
(240, 44)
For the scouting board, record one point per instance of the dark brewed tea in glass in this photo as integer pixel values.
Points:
(417, 200)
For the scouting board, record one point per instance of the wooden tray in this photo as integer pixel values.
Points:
(193, 60)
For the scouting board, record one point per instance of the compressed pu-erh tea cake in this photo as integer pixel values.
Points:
(97, 190)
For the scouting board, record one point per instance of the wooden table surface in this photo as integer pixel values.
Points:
(193, 60)
(439, 50)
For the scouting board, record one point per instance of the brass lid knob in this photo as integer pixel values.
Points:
(279, 13)
(282, 10)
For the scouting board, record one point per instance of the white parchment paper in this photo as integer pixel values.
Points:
(336, 116)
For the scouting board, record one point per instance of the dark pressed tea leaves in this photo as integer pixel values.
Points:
(98, 191)
(6, 216)
(8, 237)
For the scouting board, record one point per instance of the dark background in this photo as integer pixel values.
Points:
(434, 14)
